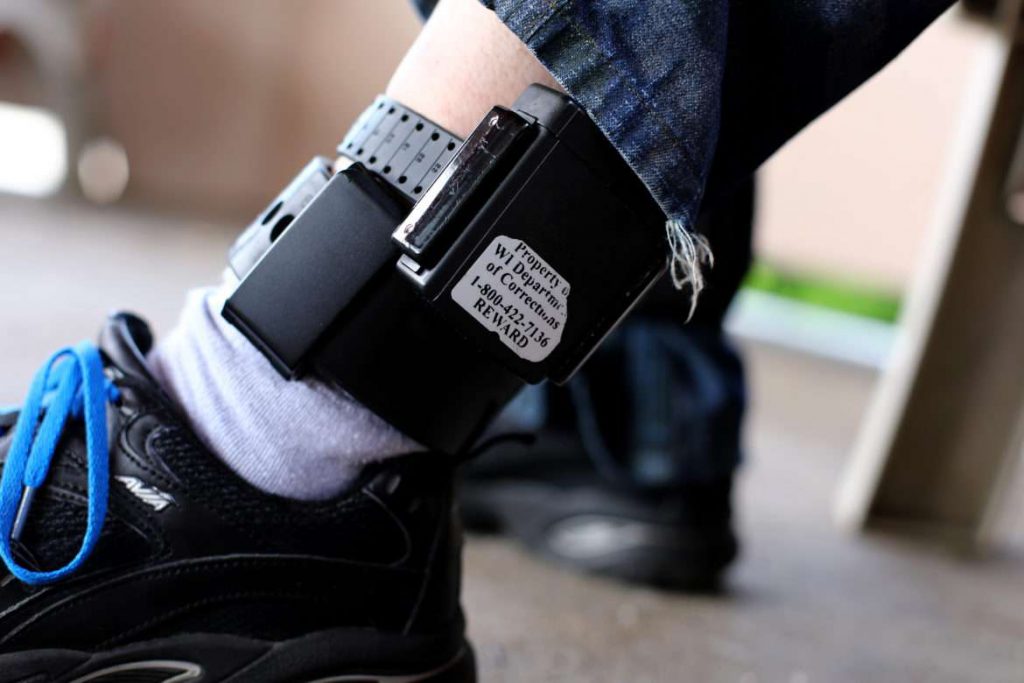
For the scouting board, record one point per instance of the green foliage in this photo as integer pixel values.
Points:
(840, 296)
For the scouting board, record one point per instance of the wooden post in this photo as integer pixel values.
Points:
(945, 426)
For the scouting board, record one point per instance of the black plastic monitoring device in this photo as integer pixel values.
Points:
(531, 241)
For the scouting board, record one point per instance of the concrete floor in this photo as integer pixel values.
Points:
(805, 603)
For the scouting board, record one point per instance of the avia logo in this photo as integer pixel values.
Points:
(150, 495)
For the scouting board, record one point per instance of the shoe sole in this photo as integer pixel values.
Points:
(593, 530)
(326, 657)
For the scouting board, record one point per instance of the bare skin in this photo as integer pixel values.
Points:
(463, 62)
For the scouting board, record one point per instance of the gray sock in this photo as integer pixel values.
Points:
(299, 439)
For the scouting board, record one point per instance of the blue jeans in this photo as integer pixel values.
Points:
(695, 95)
(660, 404)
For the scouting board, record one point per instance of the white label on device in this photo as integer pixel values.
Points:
(517, 295)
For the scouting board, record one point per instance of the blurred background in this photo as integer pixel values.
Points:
(137, 137)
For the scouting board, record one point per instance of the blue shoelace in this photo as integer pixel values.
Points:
(71, 384)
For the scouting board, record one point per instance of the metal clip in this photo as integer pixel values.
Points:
(455, 187)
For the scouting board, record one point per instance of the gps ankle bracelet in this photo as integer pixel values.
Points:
(433, 277)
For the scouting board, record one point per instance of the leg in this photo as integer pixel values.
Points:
(463, 63)
(646, 437)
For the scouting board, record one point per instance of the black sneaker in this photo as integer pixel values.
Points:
(192, 574)
(630, 473)
(550, 498)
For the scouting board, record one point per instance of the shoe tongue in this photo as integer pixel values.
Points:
(126, 339)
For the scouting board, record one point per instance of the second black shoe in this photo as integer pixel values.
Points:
(193, 575)
(630, 474)
(550, 498)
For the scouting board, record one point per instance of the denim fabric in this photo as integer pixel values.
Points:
(658, 406)
(788, 61)
(660, 403)
(692, 89)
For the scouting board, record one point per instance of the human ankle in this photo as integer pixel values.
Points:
(299, 439)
